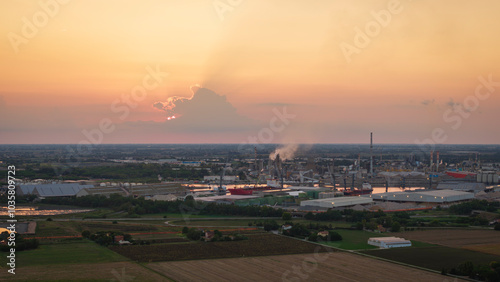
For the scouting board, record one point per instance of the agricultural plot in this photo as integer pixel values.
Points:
(256, 245)
(111, 271)
(436, 258)
(65, 253)
(453, 237)
(335, 266)
(354, 240)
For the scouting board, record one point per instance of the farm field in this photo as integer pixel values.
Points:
(256, 245)
(66, 253)
(453, 237)
(109, 271)
(336, 266)
(493, 249)
(436, 257)
(354, 239)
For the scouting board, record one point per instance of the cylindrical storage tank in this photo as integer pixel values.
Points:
(490, 178)
(495, 178)
(479, 177)
(485, 178)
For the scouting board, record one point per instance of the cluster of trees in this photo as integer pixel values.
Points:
(105, 238)
(310, 232)
(468, 207)
(267, 224)
(21, 243)
(332, 236)
(480, 272)
(198, 235)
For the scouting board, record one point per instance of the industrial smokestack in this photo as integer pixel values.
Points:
(432, 157)
(371, 153)
(437, 161)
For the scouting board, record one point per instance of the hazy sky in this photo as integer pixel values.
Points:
(327, 71)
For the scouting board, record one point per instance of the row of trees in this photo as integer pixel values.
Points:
(139, 206)
(468, 207)
(480, 272)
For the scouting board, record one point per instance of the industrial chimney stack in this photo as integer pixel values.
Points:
(371, 153)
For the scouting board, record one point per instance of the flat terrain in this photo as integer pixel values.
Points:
(256, 245)
(453, 237)
(337, 266)
(436, 258)
(112, 271)
(354, 239)
(66, 253)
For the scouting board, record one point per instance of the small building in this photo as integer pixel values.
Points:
(286, 227)
(389, 242)
(323, 234)
(209, 235)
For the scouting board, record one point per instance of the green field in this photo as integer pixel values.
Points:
(354, 239)
(64, 253)
(433, 257)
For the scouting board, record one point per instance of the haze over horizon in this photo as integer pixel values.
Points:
(156, 72)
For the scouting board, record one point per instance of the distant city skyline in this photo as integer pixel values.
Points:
(249, 72)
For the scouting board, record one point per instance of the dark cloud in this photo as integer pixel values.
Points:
(452, 103)
(427, 102)
(205, 111)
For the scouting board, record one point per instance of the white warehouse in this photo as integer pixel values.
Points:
(389, 242)
(336, 202)
(426, 196)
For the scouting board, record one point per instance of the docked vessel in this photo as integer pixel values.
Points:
(366, 189)
(460, 174)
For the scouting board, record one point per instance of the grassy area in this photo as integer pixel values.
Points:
(354, 240)
(434, 257)
(82, 252)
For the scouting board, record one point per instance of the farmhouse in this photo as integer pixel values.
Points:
(389, 242)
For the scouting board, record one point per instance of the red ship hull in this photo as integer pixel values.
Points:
(460, 174)
(248, 191)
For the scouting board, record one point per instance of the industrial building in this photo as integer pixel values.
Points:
(423, 196)
(389, 242)
(336, 202)
(461, 186)
(51, 190)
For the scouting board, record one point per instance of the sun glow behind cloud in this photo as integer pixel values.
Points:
(91, 52)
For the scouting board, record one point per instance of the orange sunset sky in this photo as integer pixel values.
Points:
(339, 69)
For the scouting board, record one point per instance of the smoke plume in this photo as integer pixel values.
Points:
(286, 152)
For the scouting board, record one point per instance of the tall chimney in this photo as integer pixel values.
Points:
(371, 153)
(437, 161)
(432, 158)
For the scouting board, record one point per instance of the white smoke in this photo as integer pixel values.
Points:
(286, 152)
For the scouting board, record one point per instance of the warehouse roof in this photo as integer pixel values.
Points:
(337, 202)
(55, 190)
(438, 196)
